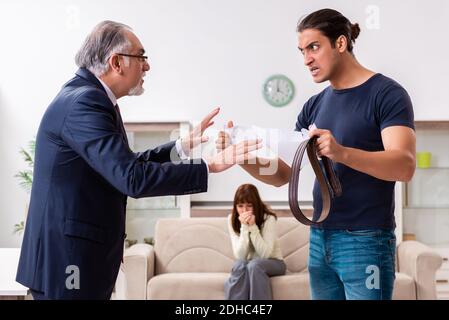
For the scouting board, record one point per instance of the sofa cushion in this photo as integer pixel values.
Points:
(210, 286)
(193, 245)
(292, 286)
(187, 286)
(294, 241)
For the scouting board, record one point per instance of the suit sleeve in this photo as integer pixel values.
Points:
(164, 153)
(91, 130)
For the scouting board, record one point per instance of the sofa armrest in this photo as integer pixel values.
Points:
(421, 263)
(138, 268)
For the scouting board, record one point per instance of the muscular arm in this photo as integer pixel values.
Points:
(274, 172)
(396, 163)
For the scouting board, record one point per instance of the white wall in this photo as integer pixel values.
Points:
(202, 53)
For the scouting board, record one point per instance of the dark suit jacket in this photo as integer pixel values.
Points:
(83, 173)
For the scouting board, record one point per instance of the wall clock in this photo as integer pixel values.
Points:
(278, 90)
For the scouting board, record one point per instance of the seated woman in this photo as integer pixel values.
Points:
(252, 226)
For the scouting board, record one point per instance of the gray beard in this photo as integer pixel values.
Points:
(136, 91)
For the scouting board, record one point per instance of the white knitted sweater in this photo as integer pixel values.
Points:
(254, 243)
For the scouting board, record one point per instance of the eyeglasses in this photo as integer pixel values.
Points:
(140, 57)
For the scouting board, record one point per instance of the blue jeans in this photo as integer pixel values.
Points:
(352, 264)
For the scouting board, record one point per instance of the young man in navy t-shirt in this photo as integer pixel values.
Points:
(366, 127)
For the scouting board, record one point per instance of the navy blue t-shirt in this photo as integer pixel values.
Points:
(356, 117)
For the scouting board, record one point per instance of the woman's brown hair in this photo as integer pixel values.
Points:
(248, 193)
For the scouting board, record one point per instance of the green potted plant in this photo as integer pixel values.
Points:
(25, 177)
(149, 240)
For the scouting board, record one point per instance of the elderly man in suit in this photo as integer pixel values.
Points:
(84, 172)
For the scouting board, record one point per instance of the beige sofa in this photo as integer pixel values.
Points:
(192, 258)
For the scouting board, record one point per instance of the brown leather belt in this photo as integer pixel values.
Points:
(329, 184)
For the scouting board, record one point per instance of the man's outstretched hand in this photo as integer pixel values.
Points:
(233, 154)
(228, 155)
(223, 140)
(195, 137)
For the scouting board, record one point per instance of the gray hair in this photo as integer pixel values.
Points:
(107, 38)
